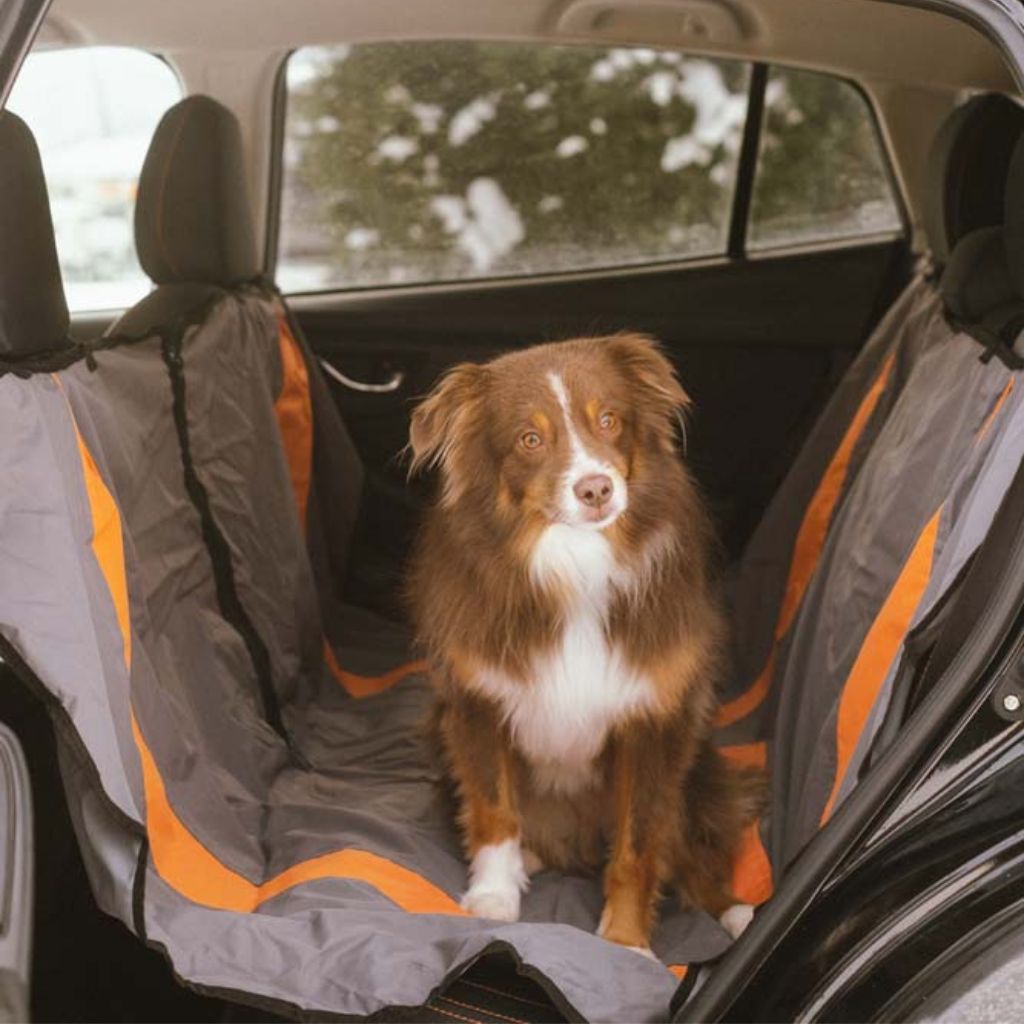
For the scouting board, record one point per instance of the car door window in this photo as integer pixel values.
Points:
(441, 161)
(822, 173)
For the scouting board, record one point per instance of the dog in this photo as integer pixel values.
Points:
(562, 588)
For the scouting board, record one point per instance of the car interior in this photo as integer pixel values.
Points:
(207, 510)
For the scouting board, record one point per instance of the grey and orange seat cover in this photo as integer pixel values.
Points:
(153, 515)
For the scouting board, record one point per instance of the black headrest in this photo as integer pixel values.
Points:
(33, 313)
(1013, 223)
(983, 284)
(192, 217)
(967, 170)
(977, 280)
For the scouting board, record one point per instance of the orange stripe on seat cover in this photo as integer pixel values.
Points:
(748, 755)
(878, 650)
(107, 540)
(752, 870)
(366, 686)
(294, 411)
(194, 872)
(999, 403)
(810, 540)
(679, 970)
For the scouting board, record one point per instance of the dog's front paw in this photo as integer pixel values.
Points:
(496, 878)
(736, 918)
(498, 904)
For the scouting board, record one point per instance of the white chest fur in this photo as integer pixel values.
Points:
(560, 718)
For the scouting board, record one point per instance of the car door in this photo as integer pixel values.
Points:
(742, 215)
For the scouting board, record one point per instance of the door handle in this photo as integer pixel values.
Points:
(393, 383)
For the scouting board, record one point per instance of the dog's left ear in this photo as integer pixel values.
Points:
(641, 359)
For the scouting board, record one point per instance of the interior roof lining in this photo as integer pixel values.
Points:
(862, 39)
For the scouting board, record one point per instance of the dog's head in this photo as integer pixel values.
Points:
(560, 433)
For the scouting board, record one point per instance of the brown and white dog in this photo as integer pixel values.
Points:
(563, 592)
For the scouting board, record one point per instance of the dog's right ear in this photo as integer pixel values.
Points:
(439, 420)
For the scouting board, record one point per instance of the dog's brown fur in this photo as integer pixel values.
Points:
(667, 808)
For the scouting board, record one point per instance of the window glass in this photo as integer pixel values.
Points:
(93, 112)
(821, 173)
(439, 161)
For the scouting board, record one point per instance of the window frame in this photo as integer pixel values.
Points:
(736, 250)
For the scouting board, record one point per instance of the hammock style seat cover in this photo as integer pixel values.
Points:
(243, 752)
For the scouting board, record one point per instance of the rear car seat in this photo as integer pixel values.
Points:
(333, 890)
(824, 601)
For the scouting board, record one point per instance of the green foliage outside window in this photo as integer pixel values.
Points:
(436, 161)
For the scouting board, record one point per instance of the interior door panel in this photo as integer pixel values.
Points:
(759, 345)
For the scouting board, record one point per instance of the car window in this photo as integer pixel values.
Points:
(821, 171)
(93, 112)
(439, 161)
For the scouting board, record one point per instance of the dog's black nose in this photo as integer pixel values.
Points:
(593, 490)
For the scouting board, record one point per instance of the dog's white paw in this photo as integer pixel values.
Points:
(736, 918)
(496, 879)
(496, 904)
(602, 931)
(643, 951)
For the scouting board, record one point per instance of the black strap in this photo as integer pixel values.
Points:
(998, 343)
(230, 604)
(50, 360)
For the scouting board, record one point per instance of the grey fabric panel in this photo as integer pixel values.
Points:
(193, 687)
(192, 215)
(926, 445)
(757, 587)
(33, 313)
(55, 606)
(969, 511)
(232, 368)
(365, 956)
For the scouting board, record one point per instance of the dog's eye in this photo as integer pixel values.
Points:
(608, 421)
(531, 440)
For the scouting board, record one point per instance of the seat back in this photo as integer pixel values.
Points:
(108, 598)
(280, 474)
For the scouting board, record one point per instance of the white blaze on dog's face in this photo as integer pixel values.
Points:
(593, 491)
(561, 434)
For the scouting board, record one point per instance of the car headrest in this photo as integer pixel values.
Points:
(977, 279)
(33, 313)
(1013, 222)
(968, 163)
(193, 222)
(984, 276)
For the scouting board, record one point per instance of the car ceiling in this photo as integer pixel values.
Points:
(862, 38)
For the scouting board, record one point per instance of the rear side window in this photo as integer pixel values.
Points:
(93, 112)
(419, 162)
(821, 173)
(440, 161)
